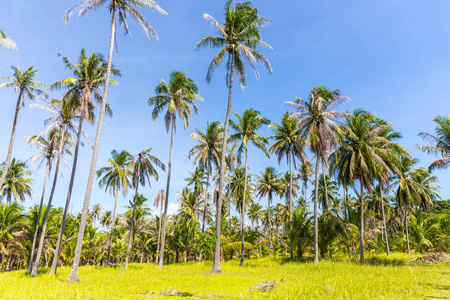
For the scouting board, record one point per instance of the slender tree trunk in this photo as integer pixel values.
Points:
(69, 195)
(306, 196)
(229, 196)
(361, 231)
(384, 219)
(73, 277)
(11, 141)
(112, 227)
(159, 233)
(290, 204)
(316, 225)
(406, 228)
(36, 231)
(62, 141)
(206, 206)
(325, 190)
(346, 218)
(134, 211)
(269, 235)
(216, 262)
(243, 209)
(163, 237)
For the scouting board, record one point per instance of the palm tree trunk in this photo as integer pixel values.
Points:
(11, 141)
(62, 141)
(306, 196)
(163, 237)
(269, 235)
(69, 195)
(229, 196)
(134, 211)
(384, 219)
(206, 206)
(112, 227)
(406, 228)
(290, 204)
(159, 233)
(325, 188)
(243, 208)
(36, 231)
(346, 217)
(73, 277)
(216, 262)
(316, 225)
(361, 230)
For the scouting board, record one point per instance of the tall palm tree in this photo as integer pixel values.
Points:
(197, 180)
(305, 172)
(6, 42)
(176, 97)
(288, 142)
(119, 10)
(87, 81)
(17, 184)
(238, 38)
(143, 166)
(24, 83)
(268, 185)
(441, 141)
(115, 177)
(245, 133)
(254, 213)
(319, 124)
(207, 154)
(159, 201)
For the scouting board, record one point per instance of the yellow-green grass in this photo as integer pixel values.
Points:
(341, 278)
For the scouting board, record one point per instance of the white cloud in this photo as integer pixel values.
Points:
(172, 209)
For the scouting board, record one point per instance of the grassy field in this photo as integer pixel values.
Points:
(379, 278)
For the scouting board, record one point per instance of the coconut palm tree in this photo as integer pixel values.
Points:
(96, 212)
(305, 172)
(159, 201)
(245, 133)
(254, 213)
(197, 180)
(268, 185)
(190, 205)
(143, 168)
(319, 124)
(17, 184)
(119, 10)
(24, 83)
(288, 142)
(6, 42)
(238, 38)
(176, 97)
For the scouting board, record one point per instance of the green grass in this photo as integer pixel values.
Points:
(380, 278)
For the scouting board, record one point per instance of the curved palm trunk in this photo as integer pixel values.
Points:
(206, 206)
(132, 216)
(159, 233)
(163, 236)
(384, 219)
(73, 277)
(406, 228)
(361, 231)
(11, 141)
(316, 225)
(36, 231)
(69, 195)
(49, 205)
(290, 204)
(243, 209)
(216, 263)
(108, 256)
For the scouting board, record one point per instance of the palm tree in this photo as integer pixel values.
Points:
(118, 9)
(6, 42)
(96, 212)
(254, 213)
(207, 153)
(305, 172)
(268, 185)
(239, 37)
(17, 184)
(197, 179)
(159, 201)
(246, 133)
(24, 83)
(441, 141)
(189, 205)
(288, 142)
(143, 169)
(319, 124)
(177, 96)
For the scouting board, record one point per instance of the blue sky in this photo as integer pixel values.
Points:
(390, 57)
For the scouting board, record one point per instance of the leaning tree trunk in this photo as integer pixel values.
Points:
(73, 277)
(159, 232)
(112, 228)
(316, 225)
(406, 228)
(384, 219)
(11, 141)
(290, 203)
(216, 262)
(166, 203)
(69, 195)
(50, 199)
(243, 208)
(206, 205)
(361, 231)
(134, 211)
(47, 170)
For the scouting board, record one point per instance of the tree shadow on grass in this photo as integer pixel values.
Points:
(439, 287)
